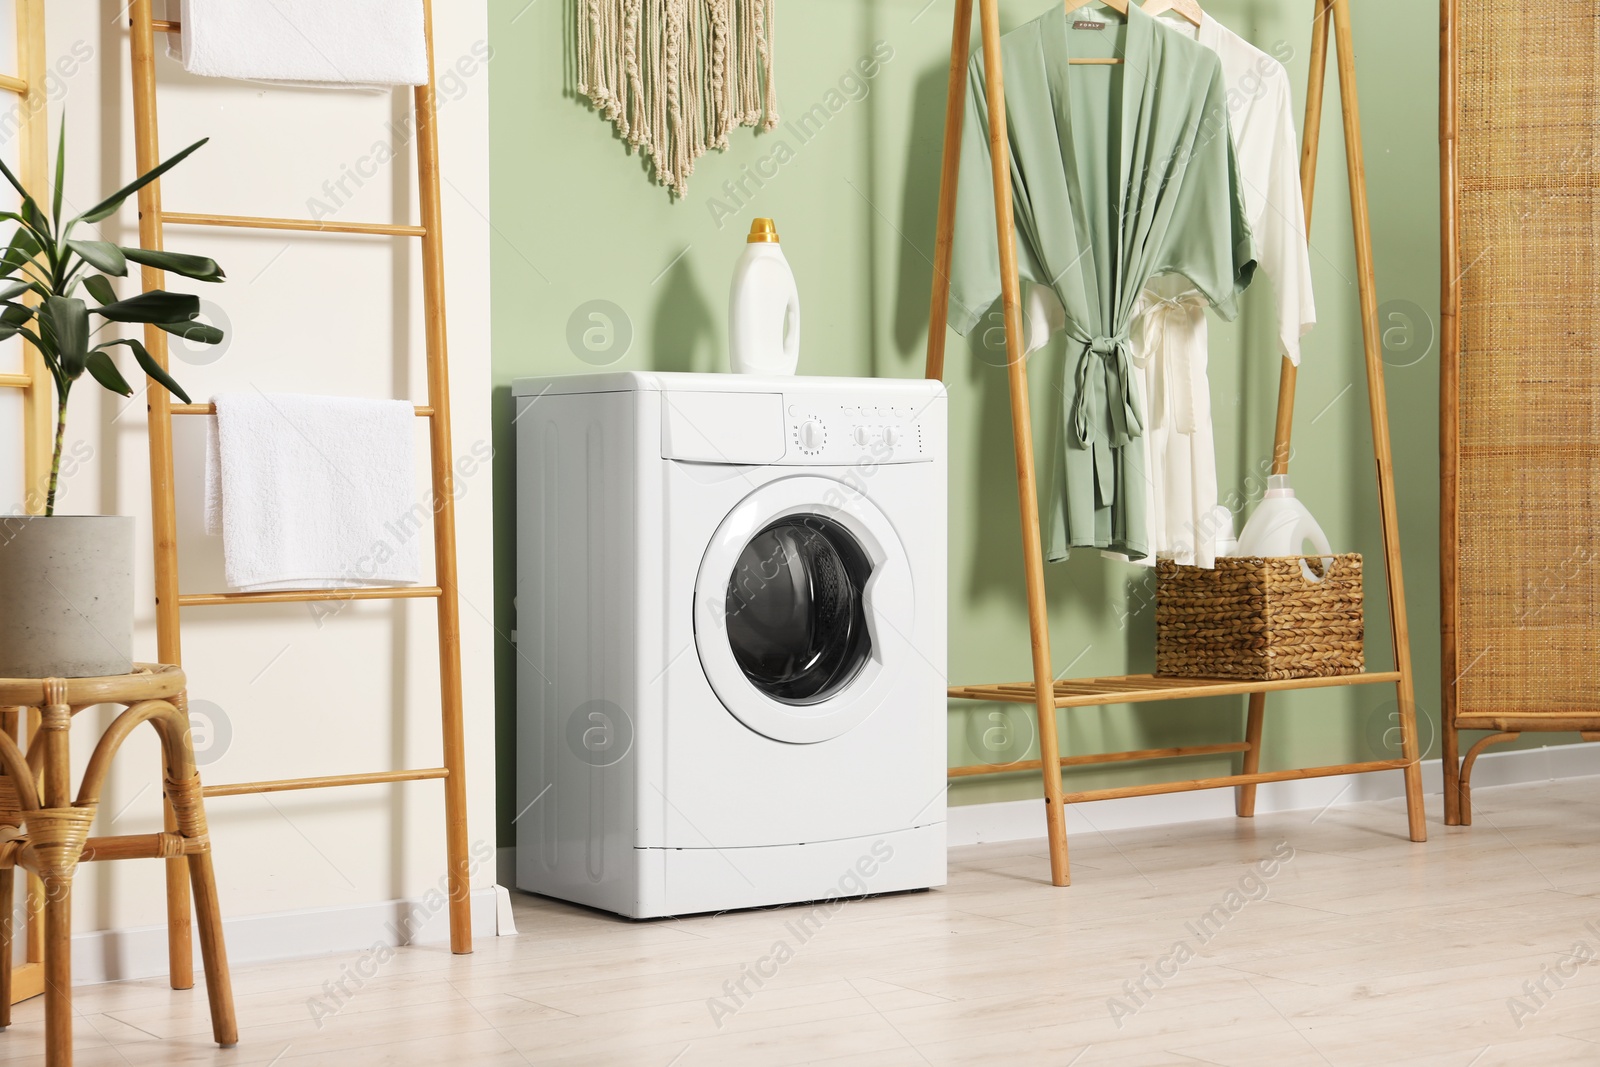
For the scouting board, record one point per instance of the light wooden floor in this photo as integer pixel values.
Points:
(1360, 949)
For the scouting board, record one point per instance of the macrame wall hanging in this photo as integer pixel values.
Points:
(677, 76)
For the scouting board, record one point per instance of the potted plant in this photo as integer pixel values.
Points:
(66, 582)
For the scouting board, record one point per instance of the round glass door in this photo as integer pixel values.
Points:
(795, 615)
(800, 608)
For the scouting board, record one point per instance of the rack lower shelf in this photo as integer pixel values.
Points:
(1137, 688)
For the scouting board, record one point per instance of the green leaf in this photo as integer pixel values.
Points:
(66, 325)
(157, 306)
(16, 314)
(38, 342)
(24, 246)
(12, 291)
(108, 207)
(33, 218)
(155, 370)
(61, 167)
(199, 333)
(100, 289)
(105, 372)
(102, 256)
(197, 267)
(12, 216)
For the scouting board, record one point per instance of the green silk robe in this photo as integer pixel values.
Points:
(1119, 173)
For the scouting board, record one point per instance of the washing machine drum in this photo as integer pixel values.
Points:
(795, 619)
(803, 609)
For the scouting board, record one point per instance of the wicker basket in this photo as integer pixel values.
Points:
(1261, 619)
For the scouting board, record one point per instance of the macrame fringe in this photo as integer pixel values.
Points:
(676, 77)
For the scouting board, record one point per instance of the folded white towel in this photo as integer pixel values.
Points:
(305, 42)
(315, 492)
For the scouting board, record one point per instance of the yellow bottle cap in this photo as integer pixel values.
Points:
(763, 231)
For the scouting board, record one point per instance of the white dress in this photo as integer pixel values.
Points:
(1170, 336)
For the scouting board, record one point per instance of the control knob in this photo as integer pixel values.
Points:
(813, 435)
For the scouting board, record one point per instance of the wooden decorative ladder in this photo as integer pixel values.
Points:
(153, 220)
(1045, 692)
(38, 391)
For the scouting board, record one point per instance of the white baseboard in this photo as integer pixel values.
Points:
(117, 955)
(1022, 820)
(505, 920)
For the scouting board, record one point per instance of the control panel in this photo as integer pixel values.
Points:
(844, 431)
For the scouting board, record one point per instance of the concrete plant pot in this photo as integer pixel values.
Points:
(66, 596)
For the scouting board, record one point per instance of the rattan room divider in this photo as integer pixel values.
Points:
(1331, 18)
(1519, 382)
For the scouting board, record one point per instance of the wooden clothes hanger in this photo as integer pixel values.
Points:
(1119, 6)
(1189, 9)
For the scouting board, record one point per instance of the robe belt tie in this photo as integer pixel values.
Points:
(1170, 324)
(1106, 413)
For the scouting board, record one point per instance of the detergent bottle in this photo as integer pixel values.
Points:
(763, 307)
(1281, 526)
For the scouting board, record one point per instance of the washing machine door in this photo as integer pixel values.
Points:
(803, 606)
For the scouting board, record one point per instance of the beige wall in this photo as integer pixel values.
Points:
(298, 695)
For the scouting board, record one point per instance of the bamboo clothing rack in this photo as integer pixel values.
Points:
(36, 386)
(153, 220)
(1045, 692)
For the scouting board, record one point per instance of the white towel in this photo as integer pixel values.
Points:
(305, 42)
(315, 492)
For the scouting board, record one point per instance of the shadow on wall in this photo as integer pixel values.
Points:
(686, 333)
(919, 207)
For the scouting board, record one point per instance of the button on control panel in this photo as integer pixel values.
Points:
(849, 432)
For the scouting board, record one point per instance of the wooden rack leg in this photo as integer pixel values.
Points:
(955, 116)
(444, 513)
(7, 922)
(1449, 367)
(35, 887)
(33, 149)
(1379, 411)
(1245, 804)
(56, 785)
(163, 509)
(1022, 438)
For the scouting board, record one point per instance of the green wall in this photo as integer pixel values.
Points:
(576, 221)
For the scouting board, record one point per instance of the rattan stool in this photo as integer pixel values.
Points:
(47, 832)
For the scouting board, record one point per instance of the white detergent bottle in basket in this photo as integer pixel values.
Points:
(1281, 526)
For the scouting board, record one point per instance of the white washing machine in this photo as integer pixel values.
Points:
(731, 639)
